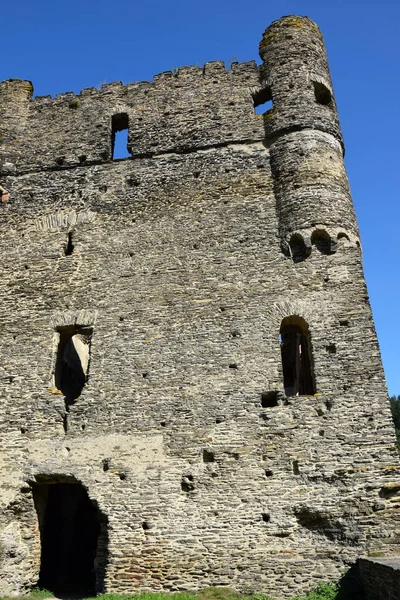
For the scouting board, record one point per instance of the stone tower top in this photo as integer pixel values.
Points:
(295, 75)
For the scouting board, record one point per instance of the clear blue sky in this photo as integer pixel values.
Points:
(67, 46)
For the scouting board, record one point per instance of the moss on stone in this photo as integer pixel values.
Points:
(74, 103)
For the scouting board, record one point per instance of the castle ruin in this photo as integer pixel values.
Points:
(191, 387)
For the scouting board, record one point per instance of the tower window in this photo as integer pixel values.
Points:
(262, 101)
(119, 136)
(296, 357)
(323, 242)
(69, 247)
(298, 248)
(322, 94)
(72, 361)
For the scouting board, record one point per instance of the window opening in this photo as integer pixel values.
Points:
(296, 357)
(298, 249)
(322, 94)
(69, 248)
(323, 242)
(262, 101)
(119, 136)
(72, 361)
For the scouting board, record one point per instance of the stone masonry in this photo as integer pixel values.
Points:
(158, 287)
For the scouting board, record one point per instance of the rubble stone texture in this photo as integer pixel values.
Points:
(174, 269)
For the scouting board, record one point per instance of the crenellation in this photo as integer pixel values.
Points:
(166, 75)
(214, 68)
(61, 130)
(89, 91)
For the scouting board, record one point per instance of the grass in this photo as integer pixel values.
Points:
(34, 594)
(325, 591)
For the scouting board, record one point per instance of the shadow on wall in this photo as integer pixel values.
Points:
(350, 585)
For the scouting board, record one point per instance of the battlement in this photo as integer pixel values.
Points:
(193, 108)
(176, 112)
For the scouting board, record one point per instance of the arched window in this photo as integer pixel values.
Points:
(323, 241)
(296, 357)
(299, 250)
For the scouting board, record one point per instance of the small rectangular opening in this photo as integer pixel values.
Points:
(119, 136)
(270, 399)
(262, 101)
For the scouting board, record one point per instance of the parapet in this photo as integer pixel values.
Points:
(176, 112)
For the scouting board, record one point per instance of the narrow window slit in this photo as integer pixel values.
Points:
(296, 355)
(295, 466)
(69, 248)
(119, 136)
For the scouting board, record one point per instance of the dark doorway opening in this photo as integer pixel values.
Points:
(73, 534)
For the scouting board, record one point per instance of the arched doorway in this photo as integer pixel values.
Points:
(73, 535)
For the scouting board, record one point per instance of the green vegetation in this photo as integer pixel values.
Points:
(35, 594)
(395, 406)
(74, 103)
(325, 591)
(38, 594)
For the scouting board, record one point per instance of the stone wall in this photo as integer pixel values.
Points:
(182, 261)
(191, 109)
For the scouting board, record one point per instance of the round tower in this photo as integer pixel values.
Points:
(15, 96)
(312, 193)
